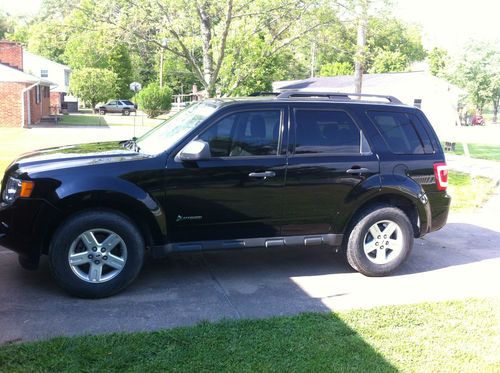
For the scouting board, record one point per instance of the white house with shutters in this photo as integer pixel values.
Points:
(55, 72)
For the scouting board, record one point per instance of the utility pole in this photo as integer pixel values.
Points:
(164, 44)
(359, 59)
(313, 58)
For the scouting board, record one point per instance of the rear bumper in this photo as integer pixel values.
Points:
(440, 206)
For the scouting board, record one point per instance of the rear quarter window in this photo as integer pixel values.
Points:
(403, 132)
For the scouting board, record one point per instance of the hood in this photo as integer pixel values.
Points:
(73, 156)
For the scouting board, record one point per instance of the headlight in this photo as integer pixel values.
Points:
(15, 188)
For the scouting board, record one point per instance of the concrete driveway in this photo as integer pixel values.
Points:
(462, 260)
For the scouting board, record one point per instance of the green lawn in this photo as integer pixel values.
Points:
(106, 120)
(480, 151)
(468, 193)
(457, 336)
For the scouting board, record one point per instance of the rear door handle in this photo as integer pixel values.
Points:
(358, 170)
(263, 175)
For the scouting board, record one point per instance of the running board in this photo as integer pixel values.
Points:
(331, 239)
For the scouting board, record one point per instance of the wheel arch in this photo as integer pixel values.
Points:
(411, 206)
(151, 224)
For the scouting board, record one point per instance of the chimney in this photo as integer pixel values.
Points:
(11, 54)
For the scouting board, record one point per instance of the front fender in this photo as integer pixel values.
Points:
(119, 194)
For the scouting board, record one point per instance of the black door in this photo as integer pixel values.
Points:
(237, 193)
(329, 158)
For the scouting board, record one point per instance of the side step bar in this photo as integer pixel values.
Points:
(331, 239)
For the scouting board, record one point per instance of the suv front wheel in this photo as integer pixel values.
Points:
(96, 254)
(380, 240)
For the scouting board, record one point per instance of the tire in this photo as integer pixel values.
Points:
(83, 267)
(368, 252)
(102, 112)
(126, 112)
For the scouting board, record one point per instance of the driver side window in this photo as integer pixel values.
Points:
(248, 133)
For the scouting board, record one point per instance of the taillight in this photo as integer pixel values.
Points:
(441, 174)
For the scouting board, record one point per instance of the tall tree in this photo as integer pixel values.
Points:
(478, 72)
(201, 31)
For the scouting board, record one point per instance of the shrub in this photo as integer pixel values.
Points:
(93, 85)
(154, 100)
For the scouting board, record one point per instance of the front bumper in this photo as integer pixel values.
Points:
(18, 227)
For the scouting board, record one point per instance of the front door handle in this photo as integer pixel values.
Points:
(358, 170)
(263, 175)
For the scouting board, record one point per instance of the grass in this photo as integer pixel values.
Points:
(480, 151)
(468, 193)
(106, 120)
(456, 336)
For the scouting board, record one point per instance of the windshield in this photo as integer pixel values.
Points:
(168, 133)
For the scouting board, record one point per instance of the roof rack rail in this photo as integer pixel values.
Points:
(263, 93)
(334, 95)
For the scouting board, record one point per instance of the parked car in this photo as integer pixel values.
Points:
(477, 120)
(310, 169)
(125, 107)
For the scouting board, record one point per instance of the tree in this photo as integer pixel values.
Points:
(93, 85)
(478, 72)
(336, 68)
(392, 44)
(200, 32)
(7, 25)
(389, 61)
(438, 58)
(154, 100)
(119, 62)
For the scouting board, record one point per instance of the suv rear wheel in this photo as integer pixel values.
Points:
(95, 254)
(380, 240)
(126, 112)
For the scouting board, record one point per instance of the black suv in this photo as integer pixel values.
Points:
(351, 172)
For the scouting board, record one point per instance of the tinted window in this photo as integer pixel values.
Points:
(326, 131)
(398, 131)
(246, 133)
(127, 102)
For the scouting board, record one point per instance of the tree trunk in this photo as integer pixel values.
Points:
(495, 110)
(359, 59)
(206, 36)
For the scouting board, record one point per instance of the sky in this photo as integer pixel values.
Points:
(445, 23)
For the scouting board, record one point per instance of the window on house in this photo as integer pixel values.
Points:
(66, 77)
(44, 73)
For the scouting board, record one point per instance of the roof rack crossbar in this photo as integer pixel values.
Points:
(334, 95)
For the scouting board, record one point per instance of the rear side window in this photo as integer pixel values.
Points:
(403, 133)
(326, 131)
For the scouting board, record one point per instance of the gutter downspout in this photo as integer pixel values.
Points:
(22, 103)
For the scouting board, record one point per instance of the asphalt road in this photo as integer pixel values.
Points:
(461, 260)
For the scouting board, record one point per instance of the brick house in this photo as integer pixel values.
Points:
(24, 98)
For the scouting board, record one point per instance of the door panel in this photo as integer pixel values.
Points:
(330, 158)
(238, 192)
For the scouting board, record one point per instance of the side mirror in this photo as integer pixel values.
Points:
(194, 151)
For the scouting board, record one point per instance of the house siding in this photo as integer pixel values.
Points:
(11, 108)
(10, 104)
